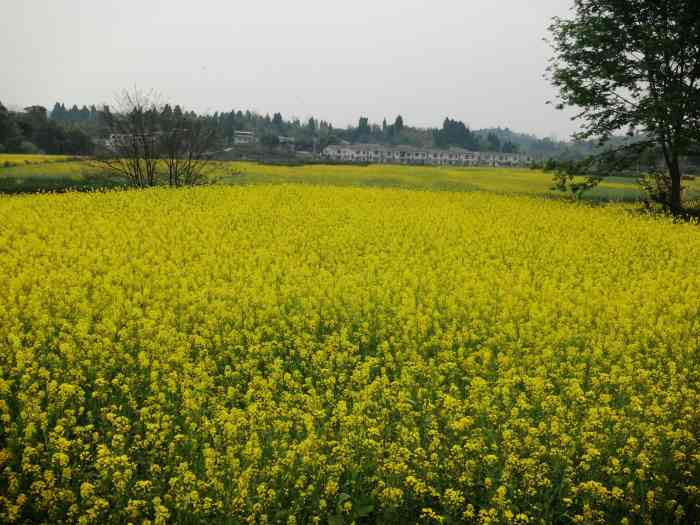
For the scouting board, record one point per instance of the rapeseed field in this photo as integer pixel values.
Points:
(16, 159)
(42, 173)
(305, 354)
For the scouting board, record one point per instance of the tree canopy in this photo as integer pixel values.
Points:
(632, 66)
(32, 131)
(456, 133)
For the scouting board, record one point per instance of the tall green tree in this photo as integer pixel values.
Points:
(10, 134)
(58, 112)
(633, 65)
(363, 131)
(493, 142)
(455, 133)
(399, 124)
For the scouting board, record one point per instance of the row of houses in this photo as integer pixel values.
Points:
(379, 154)
(249, 137)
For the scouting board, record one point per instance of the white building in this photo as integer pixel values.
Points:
(378, 154)
(122, 141)
(243, 137)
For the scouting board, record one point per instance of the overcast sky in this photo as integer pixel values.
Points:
(480, 61)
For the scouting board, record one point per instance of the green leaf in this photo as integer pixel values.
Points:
(363, 510)
(336, 519)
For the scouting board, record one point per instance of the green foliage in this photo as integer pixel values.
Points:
(363, 131)
(633, 65)
(398, 124)
(456, 133)
(493, 142)
(314, 134)
(579, 176)
(573, 177)
(32, 132)
(657, 188)
(269, 140)
(10, 134)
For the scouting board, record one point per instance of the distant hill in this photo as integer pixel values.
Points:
(535, 146)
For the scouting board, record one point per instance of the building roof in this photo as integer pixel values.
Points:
(413, 149)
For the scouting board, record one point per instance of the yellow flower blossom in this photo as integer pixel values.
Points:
(277, 354)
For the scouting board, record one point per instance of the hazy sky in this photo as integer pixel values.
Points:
(480, 61)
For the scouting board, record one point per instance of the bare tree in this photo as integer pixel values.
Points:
(132, 146)
(146, 138)
(185, 144)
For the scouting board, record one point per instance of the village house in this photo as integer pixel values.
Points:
(243, 137)
(116, 141)
(379, 154)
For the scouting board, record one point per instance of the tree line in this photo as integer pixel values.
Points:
(74, 130)
(33, 131)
